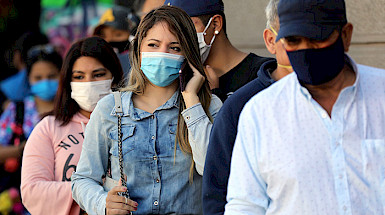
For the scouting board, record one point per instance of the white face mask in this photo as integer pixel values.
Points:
(203, 47)
(87, 94)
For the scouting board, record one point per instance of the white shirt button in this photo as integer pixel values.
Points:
(155, 157)
(156, 203)
(340, 176)
(345, 208)
(187, 117)
(153, 137)
(324, 115)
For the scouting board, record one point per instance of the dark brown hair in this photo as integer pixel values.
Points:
(65, 107)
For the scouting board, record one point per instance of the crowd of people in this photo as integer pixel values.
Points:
(163, 115)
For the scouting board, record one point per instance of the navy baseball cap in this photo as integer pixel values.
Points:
(314, 19)
(119, 17)
(198, 7)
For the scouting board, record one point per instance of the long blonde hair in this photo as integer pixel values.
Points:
(182, 27)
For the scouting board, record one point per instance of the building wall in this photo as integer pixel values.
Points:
(246, 22)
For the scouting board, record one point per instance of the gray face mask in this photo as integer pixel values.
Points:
(203, 47)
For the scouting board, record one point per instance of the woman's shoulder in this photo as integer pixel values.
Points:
(215, 101)
(108, 101)
(106, 104)
(49, 122)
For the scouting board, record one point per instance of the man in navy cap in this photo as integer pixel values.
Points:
(227, 68)
(313, 143)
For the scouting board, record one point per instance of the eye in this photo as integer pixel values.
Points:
(293, 40)
(98, 75)
(52, 76)
(78, 77)
(176, 49)
(152, 45)
(37, 78)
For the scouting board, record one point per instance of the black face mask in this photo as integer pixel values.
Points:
(318, 66)
(121, 45)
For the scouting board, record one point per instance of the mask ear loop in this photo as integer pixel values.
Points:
(207, 26)
(215, 33)
(282, 41)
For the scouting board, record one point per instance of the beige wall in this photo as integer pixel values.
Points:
(246, 22)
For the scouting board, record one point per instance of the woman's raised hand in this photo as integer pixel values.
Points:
(190, 94)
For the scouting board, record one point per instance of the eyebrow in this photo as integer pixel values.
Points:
(160, 41)
(96, 70)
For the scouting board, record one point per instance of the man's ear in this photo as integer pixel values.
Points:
(346, 34)
(269, 38)
(217, 23)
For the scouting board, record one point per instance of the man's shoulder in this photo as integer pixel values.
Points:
(371, 77)
(237, 100)
(256, 57)
(273, 98)
(255, 61)
(368, 71)
(235, 103)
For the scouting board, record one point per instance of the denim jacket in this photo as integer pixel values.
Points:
(157, 173)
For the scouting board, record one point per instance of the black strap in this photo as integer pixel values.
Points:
(19, 120)
(19, 113)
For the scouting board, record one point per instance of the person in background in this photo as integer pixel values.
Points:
(117, 26)
(314, 141)
(218, 158)
(43, 64)
(165, 126)
(90, 69)
(227, 68)
(16, 87)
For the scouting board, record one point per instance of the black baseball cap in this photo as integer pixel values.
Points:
(314, 19)
(198, 7)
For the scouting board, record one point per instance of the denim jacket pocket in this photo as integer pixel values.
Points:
(172, 133)
(128, 140)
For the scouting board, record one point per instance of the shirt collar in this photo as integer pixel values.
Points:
(137, 114)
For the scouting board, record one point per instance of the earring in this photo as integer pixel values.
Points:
(216, 32)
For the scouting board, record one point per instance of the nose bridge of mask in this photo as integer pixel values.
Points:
(163, 55)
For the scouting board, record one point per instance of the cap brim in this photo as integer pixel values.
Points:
(311, 31)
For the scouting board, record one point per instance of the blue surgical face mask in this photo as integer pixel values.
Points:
(318, 66)
(45, 89)
(161, 68)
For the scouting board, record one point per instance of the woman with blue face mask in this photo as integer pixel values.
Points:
(150, 140)
(19, 118)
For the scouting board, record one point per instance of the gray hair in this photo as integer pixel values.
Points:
(272, 14)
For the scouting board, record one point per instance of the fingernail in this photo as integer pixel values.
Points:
(207, 66)
(125, 188)
(136, 204)
(135, 209)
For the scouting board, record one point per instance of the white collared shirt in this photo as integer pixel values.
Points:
(290, 157)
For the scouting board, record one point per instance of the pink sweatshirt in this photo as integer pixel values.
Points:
(50, 157)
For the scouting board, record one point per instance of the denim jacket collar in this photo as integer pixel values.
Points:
(137, 114)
